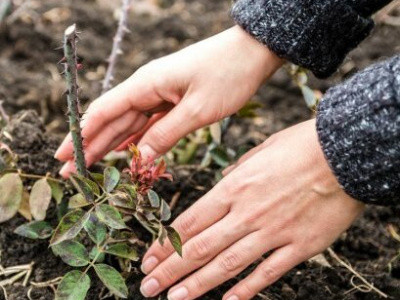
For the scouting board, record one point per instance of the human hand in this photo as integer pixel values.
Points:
(187, 90)
(281, 198)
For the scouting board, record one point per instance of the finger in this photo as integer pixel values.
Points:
(119, 127)
(196, 252)
(106, 141)
(270, 270)
(225, 266)
(179, 122)
(135, 138)
(133, 94)
(201, 215)
(248, 155)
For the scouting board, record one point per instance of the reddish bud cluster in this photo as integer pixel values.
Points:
(145, 173)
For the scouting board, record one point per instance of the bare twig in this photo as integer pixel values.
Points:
(366, 286)
(71, 74)
(116, 48)
(3, 115)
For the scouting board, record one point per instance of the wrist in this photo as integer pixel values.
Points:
(263, 62)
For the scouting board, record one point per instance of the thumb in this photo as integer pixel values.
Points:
(167, 131)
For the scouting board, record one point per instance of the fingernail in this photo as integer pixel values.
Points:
(234, 297)
(149, 265)
(57, 153)
(150, 288)
(147, 152)
(178, 294)
(64, 168)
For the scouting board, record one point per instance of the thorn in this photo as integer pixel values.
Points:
(62, 60)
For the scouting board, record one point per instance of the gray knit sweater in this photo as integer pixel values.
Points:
(358, 121)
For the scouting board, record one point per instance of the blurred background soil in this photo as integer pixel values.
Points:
(30, 43)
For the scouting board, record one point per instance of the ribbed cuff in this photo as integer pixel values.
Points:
(358, 124)
(316, 35)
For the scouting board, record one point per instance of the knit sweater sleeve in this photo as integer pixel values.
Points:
(358, 124)
(314, 34)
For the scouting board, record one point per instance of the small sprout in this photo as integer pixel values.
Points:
(145, 174)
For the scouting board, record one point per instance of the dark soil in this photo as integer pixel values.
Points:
(30, 80)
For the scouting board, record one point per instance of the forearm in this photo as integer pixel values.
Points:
(314, 34)
(358, 124)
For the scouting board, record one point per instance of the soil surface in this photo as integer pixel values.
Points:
(30, 80)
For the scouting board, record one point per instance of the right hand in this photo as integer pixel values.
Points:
(187, 90)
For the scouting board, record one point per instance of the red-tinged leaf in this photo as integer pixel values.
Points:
(10, 196)
(112, 280)
(73, 286)
(39, 199)
(35, 230)
(111, 178)
(175, 239)
(69, 227)
(72, 253)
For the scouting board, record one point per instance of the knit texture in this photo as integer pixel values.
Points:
(314, 34)
(358, 124)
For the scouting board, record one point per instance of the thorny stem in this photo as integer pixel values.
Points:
(116, 48)
(71, 74)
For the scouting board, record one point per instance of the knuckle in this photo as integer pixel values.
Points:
(231, 262)
(199, 250)
(159, 133)
(245, 291)
(167, 274)
(185, 224)
(268, 273)
(197, 282)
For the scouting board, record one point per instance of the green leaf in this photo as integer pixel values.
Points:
(130, 189)
(110, 216)
(153, 198)
(70, 226)
(111, 178)
(112, 280)
(56, 191)
(162, 234)
(73, 286)
(96, 230)
(94, 253)
(175, 239)
(220, 157)
(72, 253)
(39, 199)
(122, 200)
(35, 230)
(77, 201)
(165, 211)
(123, 250)
(98, 178)
(10, 196)
(84, 187)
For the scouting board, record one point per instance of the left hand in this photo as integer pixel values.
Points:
(280, 198)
